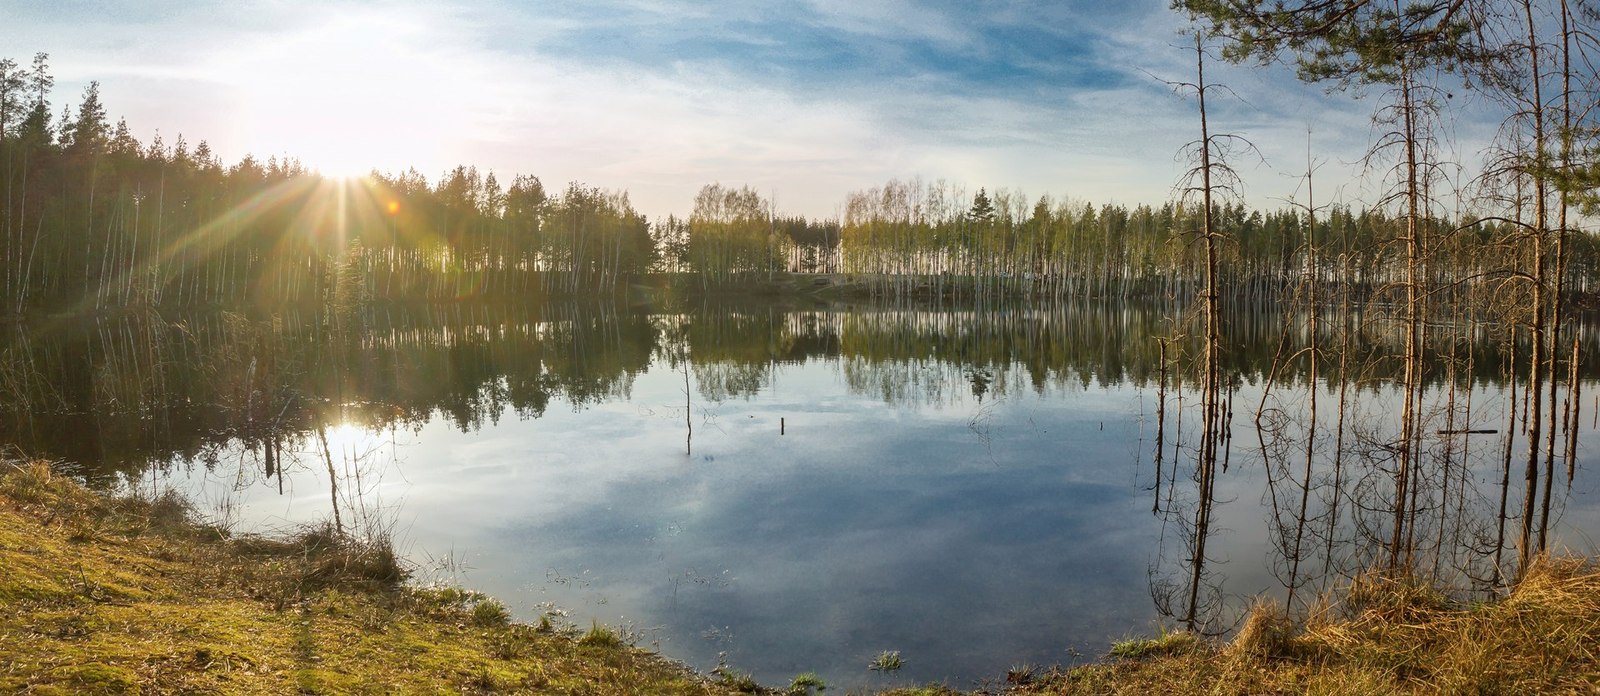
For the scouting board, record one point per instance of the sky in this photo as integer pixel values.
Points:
(803, 100)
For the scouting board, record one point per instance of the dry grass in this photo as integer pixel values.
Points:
(1387, 636)
(1266, 633)
(102, 595)
(118, 596)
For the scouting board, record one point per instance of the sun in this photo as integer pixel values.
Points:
(341, 168)
(351, 93)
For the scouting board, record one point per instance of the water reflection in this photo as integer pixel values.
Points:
(798, 488)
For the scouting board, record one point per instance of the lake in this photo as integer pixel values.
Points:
(797, 489)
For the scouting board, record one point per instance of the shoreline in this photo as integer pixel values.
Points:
(129, 595)
(126, 595)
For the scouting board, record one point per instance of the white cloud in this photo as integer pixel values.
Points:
(901, 19)
(360, 84)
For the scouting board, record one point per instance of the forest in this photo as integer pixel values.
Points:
(93, 219)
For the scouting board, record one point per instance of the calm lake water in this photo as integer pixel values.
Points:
(788, 490)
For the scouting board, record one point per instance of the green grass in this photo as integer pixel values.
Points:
(601, 636)
(887, 661)
(807, 683)
(1165, 643)
(735, 680)
(490, 612)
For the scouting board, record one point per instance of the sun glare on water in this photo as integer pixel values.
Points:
(349, 439)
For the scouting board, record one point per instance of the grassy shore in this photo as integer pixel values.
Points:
(1382, 636)
(103, 595)
(126, 596)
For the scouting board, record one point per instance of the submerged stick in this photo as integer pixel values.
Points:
(333, 479)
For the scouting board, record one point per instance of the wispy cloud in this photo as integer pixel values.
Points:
(809, 100)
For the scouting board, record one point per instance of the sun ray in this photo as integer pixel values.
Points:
(329, 214)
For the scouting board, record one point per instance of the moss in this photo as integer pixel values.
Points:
(96, 679)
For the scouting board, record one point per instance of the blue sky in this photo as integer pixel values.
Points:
(805, 100)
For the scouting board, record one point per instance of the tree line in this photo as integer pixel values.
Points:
(91, 218)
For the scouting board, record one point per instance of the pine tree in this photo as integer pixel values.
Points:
(982, 208)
